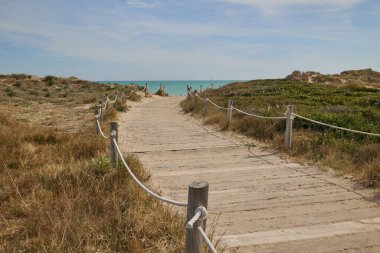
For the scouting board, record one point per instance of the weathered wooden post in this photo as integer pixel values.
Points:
(289, 127)
(163, 90)
(146, 89)
(212, 86)
(107, 102)
(201, 88)
(96, 120)
(160, 93)
(197, 196)
(113, 136)
(188, 95)
(100, 108)
(229, 111)
(206, 104)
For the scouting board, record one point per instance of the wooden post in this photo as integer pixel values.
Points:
(229, 111)
(212, 86)
(100, 108)
(96, 120)
(107, 99)
(160, 90)
(187, 88)
(198, 196)
(230, 115)
(201, 88)
(146, 89)
(206, 104)
(113, 135)
(163, 90)
(289, 127)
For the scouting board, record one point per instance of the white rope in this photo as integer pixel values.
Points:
(113, 101)
(130, 94)
(173, 202)
(190, 94)
(336, 127)
(257, 116)
(157, 89)
(206, 240)
(100, 130)
(199, 97)
(220, 107)
(200, 214)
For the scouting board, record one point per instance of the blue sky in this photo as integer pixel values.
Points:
(187, 39)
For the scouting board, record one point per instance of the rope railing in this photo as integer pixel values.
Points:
(113, 101)
(130, 94)
(151, 193)
(100, 129)
(202, 99)
(105, 104)
(289, 117)
(188, 92)
(197, 193)
(255, 115)
(200, 215)
(218, 106)
(336, 127)
(206, 240)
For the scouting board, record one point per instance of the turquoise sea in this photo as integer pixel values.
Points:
(175, 88)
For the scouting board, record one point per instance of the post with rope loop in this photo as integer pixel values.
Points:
(206, 104)
(197, 197)
(96, 121)
(146, 90)
(113, 135)
(289, 127)
(229, 111)
(100, 108)
(107, 99)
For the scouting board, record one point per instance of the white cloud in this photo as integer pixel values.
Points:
(274, 6)
(140, 4)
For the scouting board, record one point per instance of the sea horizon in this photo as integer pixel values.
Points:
(175, 87)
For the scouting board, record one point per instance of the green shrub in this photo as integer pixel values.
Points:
(17, 84)
(102, 165)
(120, 106)
(9, 92)
(49, 80)
(34, 92)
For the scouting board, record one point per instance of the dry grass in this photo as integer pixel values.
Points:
(60, 103)
(59, 192)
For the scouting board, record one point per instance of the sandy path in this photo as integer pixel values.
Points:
(267, 204)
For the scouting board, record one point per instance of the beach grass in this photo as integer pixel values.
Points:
(58, 190)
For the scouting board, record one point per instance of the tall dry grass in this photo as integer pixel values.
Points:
(59, 193)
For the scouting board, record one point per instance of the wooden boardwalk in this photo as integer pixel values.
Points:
(266, 203)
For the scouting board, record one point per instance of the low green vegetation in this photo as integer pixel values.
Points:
(354, 107)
